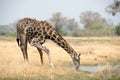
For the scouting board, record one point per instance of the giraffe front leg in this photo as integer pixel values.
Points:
(35, 42)
(48, 53)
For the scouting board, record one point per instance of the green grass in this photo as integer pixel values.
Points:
(88, 41)
(101, 41)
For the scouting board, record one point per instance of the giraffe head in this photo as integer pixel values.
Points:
(76, 60)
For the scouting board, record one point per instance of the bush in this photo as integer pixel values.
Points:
(11, 34)
(108, 72)
(96, 27)
(4, 33)
(63, 33)
(7, 30)
(118, 30)
(95, 30)
(78, 33)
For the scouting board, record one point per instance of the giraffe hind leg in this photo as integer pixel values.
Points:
(41, 55)
(36, 42)
(23, 46)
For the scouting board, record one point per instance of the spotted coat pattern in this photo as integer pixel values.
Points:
(36, 33)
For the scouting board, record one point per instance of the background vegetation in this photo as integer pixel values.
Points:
(90, 24)
(7, 30)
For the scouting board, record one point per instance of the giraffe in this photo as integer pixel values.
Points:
(36, 33)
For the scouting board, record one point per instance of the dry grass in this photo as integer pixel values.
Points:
(12, 63)
(97, 50)
(108, 72)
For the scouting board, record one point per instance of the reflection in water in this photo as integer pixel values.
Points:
(86, 68)
(89, 68)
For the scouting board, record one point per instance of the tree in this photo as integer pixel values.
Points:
(109, 23)
(71, 25)
(64, 25)
(88, 18)
(113, 8)
(58, 21)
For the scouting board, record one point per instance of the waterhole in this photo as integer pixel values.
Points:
(85, 68)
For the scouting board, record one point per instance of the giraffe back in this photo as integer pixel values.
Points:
(35, 29)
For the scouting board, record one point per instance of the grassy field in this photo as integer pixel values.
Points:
(99, 51)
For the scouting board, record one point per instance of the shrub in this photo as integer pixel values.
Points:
(11, 34)
(118, 30)
(96, 30)
(78, 33)
(108, 72)
(96, 27)
(63, 33)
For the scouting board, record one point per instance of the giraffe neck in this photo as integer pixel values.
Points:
(63, 43)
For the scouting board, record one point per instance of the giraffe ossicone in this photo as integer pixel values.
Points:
(36, 33)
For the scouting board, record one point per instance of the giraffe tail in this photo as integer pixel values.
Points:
(18, 41)
(18, 38)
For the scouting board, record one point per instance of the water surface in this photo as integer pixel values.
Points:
(86, 68)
